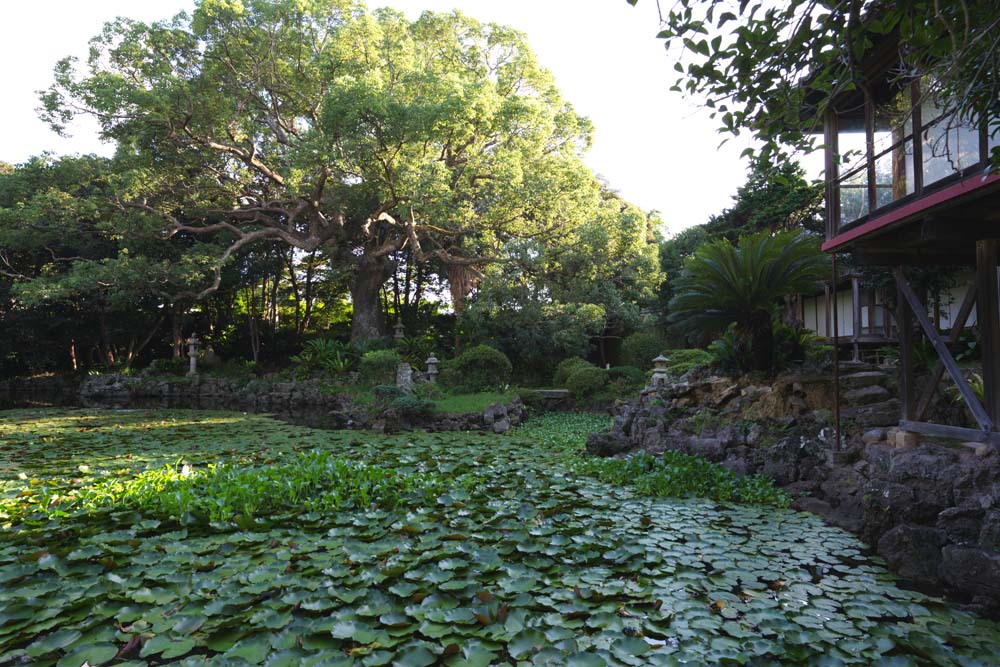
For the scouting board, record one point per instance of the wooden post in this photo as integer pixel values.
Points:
(988, 321)
(904, 327)
(826, 305)
(836, 361)
(856, 314)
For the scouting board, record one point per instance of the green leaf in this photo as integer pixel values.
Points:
(97, 654)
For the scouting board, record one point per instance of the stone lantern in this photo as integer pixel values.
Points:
(193, 344)
(432, 368)
(400, 330)
(660, 375)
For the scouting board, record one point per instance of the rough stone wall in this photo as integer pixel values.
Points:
(304, 400)
(931, 510)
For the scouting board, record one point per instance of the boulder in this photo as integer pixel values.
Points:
(863, 379)
(972, 570)
(873, 436)
(914, 552)
(607, 443)
(962, 525)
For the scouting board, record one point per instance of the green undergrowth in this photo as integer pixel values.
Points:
(313, 482)
(676, 474)
(671, 474)
(419, 549)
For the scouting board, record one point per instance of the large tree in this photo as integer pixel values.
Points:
(760, 64)
(316, 124)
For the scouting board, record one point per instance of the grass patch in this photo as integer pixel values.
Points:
(462, 403)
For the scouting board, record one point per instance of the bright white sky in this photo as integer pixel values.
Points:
(655, 147)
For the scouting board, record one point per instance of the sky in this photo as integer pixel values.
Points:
(657, 148)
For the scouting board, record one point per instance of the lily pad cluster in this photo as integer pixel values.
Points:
(533, 564)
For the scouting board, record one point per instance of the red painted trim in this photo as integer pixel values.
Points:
(970, 184)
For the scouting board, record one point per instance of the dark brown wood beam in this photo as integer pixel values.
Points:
(952, 230)
(915, 257)
(904, 320)
(988, 322)
(953, 432)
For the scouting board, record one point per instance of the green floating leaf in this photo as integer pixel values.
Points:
(94, 655)
(55, 641)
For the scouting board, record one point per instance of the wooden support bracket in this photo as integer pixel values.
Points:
(918, 310)
(957, 327)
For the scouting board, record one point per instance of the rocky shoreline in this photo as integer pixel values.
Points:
(931, 510)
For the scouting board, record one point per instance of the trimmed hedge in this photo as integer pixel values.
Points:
(681, 361)
(379, 367)
(567, 367)
(587, 381)
(478, 369)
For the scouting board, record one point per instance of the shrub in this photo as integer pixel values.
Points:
(379, 366)
(428, 391)
(411, 406)
(731, 352)
(567, 367)
(480, 368)
(641, 348)
(327, 354)
(387, 393)
(682, 361)
(531, 398)
(627, 375)
(171, 366)
(587, 381)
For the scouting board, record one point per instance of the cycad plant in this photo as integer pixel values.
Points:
(723, 284)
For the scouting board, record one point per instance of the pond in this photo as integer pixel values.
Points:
(464, 550)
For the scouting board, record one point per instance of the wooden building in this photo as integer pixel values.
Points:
(908, 185)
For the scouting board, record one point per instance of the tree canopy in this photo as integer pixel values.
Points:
(321, 125)
(773, 68)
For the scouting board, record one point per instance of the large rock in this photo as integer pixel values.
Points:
(972, 570)
(607, 443)
(885, 413)
(914, 552)
(863, 379)
(962, 525)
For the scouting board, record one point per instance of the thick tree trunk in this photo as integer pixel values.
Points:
(367, 320)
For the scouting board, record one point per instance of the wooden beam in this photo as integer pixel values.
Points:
(915, 257)
(957, 327)
(918, 310)
(955, 432)
(951, 230)
(856, 313)
(988, 322)
(904, 323)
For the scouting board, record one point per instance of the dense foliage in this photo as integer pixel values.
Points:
(537, 561)
(740, 284)
(478, 369)
(773, 68)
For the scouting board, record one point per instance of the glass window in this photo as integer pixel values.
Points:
(993, 138)
(853, 184)
(950, 143)
(893, 140)
(851, 142)
(854, 195)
